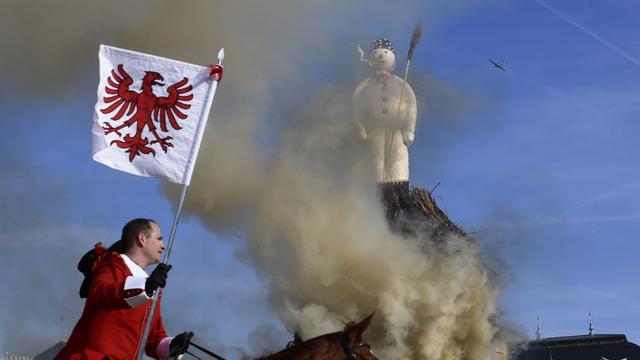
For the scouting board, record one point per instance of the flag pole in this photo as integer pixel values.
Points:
(172, 234)
(167, 254)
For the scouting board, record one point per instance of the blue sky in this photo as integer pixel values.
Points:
(555, 179)
(538, 161)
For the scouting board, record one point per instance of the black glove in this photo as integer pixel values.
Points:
(180, 344)
(158, 278)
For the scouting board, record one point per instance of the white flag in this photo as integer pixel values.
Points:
(151, 114)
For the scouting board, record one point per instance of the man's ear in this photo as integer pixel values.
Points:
(141, 239)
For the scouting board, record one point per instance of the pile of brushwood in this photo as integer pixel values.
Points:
(412, 212)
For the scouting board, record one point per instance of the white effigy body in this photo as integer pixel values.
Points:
(385, 117)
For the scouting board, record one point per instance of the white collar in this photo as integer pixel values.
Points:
(135, 269)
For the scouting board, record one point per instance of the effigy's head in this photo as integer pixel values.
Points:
(382, 56)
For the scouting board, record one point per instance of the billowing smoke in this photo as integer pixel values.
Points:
(279, 163)
(315, 228)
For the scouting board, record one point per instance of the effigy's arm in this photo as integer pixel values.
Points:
(358, 114)
(410, 114)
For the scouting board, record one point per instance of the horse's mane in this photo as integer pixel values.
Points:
(296, 349)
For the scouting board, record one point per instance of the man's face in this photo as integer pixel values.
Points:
(153, 244)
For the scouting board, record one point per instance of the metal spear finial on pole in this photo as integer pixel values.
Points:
(220, 56)
(167, 254)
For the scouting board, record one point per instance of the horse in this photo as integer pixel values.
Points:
(342, 345)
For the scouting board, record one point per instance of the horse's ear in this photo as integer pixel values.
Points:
(364, 324)
(355, 332)
(349, 325)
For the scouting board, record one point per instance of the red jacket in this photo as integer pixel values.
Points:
(113, 319)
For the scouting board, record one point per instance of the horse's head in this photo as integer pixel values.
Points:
(341, 345)
(352, 342)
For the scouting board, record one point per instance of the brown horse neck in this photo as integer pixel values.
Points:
(325, 347)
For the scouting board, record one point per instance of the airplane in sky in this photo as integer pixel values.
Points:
(499, 66)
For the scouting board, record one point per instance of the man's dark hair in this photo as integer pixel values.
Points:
(131, 230)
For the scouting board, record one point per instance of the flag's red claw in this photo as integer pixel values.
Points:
(108, 129)
(134, 146)
(146, 150)
(164, 142)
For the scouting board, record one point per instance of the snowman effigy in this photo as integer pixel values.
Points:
(385, 114)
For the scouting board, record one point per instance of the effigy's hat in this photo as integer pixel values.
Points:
(383, 43)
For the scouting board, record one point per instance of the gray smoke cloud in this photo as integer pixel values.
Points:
(279, 165)
(315, 228)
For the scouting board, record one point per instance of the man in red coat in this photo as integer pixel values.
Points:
(119, 300)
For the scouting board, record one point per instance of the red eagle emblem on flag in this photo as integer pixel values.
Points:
(147, 109)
